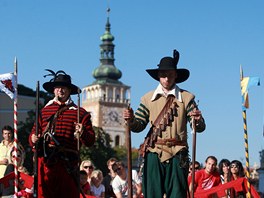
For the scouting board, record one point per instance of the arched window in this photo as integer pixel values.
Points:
(117, 95)
(110, 94)
(117, 140)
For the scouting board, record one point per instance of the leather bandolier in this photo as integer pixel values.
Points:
(50, 147)
(53, 152)
(164, 119)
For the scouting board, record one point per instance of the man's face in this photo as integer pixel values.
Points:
(7, 135)
(167, 78)
(210, 166)
(121, 170)
(62, 93)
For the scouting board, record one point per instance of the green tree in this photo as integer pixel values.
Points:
(24, 129)
(100, 152)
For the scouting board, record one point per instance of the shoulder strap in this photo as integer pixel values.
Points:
(53, 118)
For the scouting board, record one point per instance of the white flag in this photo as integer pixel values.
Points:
(7, 82)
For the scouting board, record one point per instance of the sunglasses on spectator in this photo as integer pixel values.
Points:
(90, 167)
(15, 156)
(117, 170)
(234, 166)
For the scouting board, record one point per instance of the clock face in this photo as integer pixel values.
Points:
(112, 116)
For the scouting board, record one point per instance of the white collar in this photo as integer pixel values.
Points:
(175, 92)
(69, 101)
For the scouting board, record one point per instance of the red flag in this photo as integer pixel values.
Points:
(6, 179)
(28, 180)
(7, 84)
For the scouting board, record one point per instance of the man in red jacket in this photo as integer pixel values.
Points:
(57, 139)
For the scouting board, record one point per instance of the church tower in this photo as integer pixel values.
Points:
(107, 96)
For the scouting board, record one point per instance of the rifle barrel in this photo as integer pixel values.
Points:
(35, 192)
(129, 160)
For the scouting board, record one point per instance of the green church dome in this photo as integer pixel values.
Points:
(107, 71)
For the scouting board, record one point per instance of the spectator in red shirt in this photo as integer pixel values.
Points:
(208, 177)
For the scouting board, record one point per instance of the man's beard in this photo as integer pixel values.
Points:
(58, 98)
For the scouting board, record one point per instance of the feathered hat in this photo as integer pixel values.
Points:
(169, 63)
(60, 78)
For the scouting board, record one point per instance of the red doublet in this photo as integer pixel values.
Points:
(56, 174)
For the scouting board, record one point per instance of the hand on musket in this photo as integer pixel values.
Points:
(128, 113)
(78, 130)
(35, 138)
(196, 114)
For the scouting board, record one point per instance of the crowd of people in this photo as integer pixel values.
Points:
(213, 174)
(12, 157)
(114, 184)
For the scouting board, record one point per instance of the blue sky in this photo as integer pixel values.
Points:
(213, 37)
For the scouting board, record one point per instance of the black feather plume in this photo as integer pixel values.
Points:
(52, 73)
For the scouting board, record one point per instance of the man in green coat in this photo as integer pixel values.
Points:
(168, 109)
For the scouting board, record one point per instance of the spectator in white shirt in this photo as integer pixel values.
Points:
(120, 184)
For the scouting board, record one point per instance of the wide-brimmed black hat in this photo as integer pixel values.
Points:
(60, 78)
(170, 63)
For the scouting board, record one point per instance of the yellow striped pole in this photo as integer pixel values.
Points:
(246, 152)
(246, 83)
(244, 113)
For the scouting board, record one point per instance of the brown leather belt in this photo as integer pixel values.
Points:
(62, 149)
(170, 142)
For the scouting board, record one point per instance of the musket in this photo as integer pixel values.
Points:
(78, 120)
(129, 161)
(193, 153)
(35, 187)
(78, 142)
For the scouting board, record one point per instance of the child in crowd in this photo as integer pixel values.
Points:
(85, 186)
(97, 188)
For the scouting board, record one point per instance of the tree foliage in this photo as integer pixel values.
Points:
(100, 152)
(24, 129)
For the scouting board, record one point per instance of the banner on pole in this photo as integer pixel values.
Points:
(246, 83)
(7, 82)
